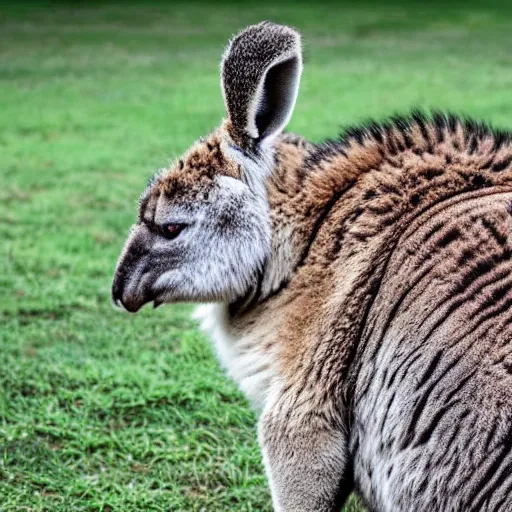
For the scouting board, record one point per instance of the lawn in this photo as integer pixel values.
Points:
(101, 410)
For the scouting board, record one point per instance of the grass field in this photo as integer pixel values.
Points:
(105, 411)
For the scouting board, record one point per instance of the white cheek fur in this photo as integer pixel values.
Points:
(220, 264)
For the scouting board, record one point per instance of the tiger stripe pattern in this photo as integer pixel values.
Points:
(359, 290)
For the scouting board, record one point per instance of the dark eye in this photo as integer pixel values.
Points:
(172, 230)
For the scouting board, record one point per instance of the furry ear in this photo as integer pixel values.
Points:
(260, 75)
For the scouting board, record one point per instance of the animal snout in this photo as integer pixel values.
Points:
(127, 296)
(131, 286)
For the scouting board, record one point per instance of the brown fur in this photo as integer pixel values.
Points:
(383, 186)
(375, 334)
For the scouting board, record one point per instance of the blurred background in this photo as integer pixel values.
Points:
(102, 411)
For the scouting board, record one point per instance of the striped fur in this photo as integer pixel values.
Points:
(373, 330)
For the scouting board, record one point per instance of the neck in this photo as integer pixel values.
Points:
(311, 187)
(281, 189)
(308, 186)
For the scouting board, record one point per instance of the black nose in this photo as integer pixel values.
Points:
(131, 298)
(132, 302)
(131, 284)
(119, 296)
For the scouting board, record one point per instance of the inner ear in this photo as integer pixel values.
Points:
(277, 96)
(260, 75)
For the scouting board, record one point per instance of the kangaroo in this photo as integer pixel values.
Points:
(359, 290)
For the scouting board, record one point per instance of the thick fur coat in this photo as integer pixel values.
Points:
(359, 290)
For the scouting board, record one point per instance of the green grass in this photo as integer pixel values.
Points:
(105, 411)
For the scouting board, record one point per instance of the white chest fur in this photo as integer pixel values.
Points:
(247, 358)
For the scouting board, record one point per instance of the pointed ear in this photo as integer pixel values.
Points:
(260, 75)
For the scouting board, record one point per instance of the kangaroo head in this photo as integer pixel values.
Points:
(203, 231)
